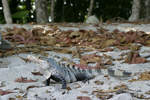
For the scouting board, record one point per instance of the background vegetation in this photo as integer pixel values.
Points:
(23, 11)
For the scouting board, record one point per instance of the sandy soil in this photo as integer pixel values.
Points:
(13, 67)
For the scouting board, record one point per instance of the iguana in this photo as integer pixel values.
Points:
(66, 73)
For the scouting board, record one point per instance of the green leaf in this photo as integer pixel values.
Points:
(2, 21)
(20, 14)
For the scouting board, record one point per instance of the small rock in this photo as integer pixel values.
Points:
(85, 98)
(4, 44)
(120, 91)
(123, 96)
(4, 63)
(92, 19)
(139, 90)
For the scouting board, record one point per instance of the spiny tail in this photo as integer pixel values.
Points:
(90, 73)
(79, 73)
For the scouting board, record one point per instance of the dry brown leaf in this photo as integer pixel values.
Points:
(65, 59)
(135, 47)
(101, 30)
(77, 52)
(122, 86)
(140, 41)
(132, 80)
(68, 88)
(106, 49)
(36, 73)
(85, 98)
(19, 96)
(11, 98)
(77, 86)
(98, 58)
(117, 42)
(38, 31)
(64, 44)
(26, 60)
(84, 91)
(109, 42)
(87, 56)
(148, 92)
(4, 92)
(2, 84)
(104, 96)
(79, 97)
(63, 93)
(108, 63)
(143, 77)
(62, 51)
(31, 86)
(74, 34)
(105, 91)
(99, 65)
(107, 57)
(1, 54)
(82, 62)
(24, 80)
(122, 48)
(91, 33)
(91, 60)
(136, 59)
(43, 53)
(121, 58)
(47, 91)
(128, 58)
(97, 82)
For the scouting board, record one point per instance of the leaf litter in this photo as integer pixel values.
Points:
(39, 41)
(100, 39)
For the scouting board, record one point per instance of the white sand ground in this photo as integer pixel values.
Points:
(18, 68)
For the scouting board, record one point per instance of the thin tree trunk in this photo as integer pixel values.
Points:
(135, 15)
(6, 11)
(90, 8)
(52, 10)
(41, 11)
(63, 10)
(28, 7)
(145, 10)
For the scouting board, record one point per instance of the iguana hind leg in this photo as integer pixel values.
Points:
(64, 84)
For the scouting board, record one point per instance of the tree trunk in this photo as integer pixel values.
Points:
(90, 8)
(6, 11)
(52, 10)
(145, 10)
(41, 11)
(135, 15)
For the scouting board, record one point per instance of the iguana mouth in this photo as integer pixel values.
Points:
(35, 59)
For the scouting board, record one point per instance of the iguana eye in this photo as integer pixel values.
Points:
(41, 58)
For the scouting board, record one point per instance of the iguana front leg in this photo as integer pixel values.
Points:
(47, 82)
(57, 78)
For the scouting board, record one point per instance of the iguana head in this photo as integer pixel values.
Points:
(42, 64)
